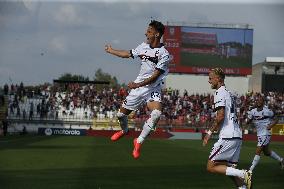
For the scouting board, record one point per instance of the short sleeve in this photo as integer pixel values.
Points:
(163, 62)
(137, 51)
(219, 100)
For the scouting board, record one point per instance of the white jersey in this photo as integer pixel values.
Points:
(261, 119)
(152, 59)
(230, 127)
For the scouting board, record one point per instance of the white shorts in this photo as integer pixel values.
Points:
(227, 150)
(142, 95)
(263, 140)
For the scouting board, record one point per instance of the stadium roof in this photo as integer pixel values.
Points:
(274, 59)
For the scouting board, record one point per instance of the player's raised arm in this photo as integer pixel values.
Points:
(119, 53)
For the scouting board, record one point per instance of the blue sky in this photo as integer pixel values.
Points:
(41, 40)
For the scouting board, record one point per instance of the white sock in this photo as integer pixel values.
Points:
(242, 187)
(149, 125)
(235, 172)
(145, 132)
(254, 162)
(275, 156)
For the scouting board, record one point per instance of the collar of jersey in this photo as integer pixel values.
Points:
(222, 86)
(161, 44)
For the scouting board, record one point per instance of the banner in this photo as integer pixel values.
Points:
(61, 131)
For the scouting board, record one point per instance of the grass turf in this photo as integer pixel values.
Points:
(92, 162)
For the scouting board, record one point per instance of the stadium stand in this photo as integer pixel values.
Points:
(84, 103)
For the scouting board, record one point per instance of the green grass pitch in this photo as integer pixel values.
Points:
(39, 162)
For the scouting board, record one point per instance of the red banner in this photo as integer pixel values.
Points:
(172, 39)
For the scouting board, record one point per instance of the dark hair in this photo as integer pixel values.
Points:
(158, 26)
(259, 96)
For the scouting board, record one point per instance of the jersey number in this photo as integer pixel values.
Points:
(233, 111)
(155, 95)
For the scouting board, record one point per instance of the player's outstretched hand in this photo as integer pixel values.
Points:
(205, 140)
(132, 85)
(108, 48)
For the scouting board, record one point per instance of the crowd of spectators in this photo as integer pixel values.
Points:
(86, 102)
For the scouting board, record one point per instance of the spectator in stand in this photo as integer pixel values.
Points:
(31, 111)
(77, 99)
(6, 89)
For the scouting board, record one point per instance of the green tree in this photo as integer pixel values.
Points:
(70, 77)
(102, 76)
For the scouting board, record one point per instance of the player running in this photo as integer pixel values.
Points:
(224, 156)
(263, 119)
(147, 86)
